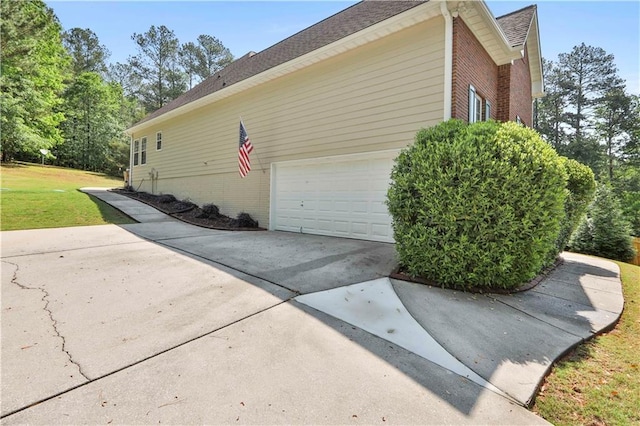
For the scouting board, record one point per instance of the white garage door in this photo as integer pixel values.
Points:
(339, 196)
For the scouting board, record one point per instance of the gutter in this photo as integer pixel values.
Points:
(448, 59)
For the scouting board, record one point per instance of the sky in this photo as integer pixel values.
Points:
(245, 26)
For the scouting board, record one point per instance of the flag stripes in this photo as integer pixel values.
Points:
(244, 163)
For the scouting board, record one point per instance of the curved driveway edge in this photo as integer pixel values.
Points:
(165, 322)
(513, 340)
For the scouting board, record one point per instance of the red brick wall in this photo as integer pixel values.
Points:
(471, 65)
(507, 87)
(504, 92)
(520, 98)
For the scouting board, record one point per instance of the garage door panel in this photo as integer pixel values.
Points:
(342, 196)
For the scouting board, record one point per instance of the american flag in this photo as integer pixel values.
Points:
(244, 164)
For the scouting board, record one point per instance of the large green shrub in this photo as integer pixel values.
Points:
(604, 231)
(581, 186)
(476, 205)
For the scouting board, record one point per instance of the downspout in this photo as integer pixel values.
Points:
(130, 183)
(448, 58)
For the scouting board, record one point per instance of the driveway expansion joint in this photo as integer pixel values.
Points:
(140, 361)
(535, 317)
(54, 323)
(68, 249)
(294, 291)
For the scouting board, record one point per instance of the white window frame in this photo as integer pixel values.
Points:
(158, 141)
(475, 105)
(143, 151)
(136, 152)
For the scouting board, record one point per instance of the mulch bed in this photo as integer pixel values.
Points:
(189, 212)
(399, 274)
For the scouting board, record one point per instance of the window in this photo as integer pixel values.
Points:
(143, 151)
(475, 105)
(487, 110)
(158, 141)
(136, 148)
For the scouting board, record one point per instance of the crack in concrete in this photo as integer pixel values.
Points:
(54, 322)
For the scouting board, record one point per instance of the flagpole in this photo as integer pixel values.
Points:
(254, 147)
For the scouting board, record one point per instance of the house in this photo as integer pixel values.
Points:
(328, 109)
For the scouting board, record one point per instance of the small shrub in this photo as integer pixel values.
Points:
(166, 199)
(244, 220)
(604, 231)
(476, 205)
(581, 186)
(211, 211)
(183, 205)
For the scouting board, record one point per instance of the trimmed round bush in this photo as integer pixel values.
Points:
(581, 186)
(476, 205)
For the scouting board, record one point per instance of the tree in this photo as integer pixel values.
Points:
(92, 109)
(588, 74)
(155, 66)
(613, 118)
(604, 231)
(214, 56)
(125, 77)
(201, 60)
(33, 65)
(87, 54)
(550, 109)
(190, 57)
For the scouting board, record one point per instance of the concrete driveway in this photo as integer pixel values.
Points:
(163, 322)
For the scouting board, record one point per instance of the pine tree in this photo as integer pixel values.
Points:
(156, 67)
(604, 231)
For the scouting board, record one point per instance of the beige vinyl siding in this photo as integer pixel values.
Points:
(372, 98)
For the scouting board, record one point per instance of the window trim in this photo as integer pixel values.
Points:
(159, 140)
(143, 150)
(475, 105)
(136, 152)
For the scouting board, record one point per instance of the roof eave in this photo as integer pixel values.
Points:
(381, 29)
(501, 52)
(535, 58)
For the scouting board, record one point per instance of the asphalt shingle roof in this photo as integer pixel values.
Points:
(342, 24)
(515, 25)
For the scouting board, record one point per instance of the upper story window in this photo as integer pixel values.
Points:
(143, 151)
(475, 105)
(479, 108)
(136, 152)
(158, 141)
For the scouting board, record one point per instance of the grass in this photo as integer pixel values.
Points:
(599, 382)
(35, 196)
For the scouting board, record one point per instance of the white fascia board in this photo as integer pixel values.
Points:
(382, 29)
(506, 53)
(535, 58)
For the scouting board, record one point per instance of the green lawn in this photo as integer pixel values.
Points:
(35, 196)
(599, 382)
